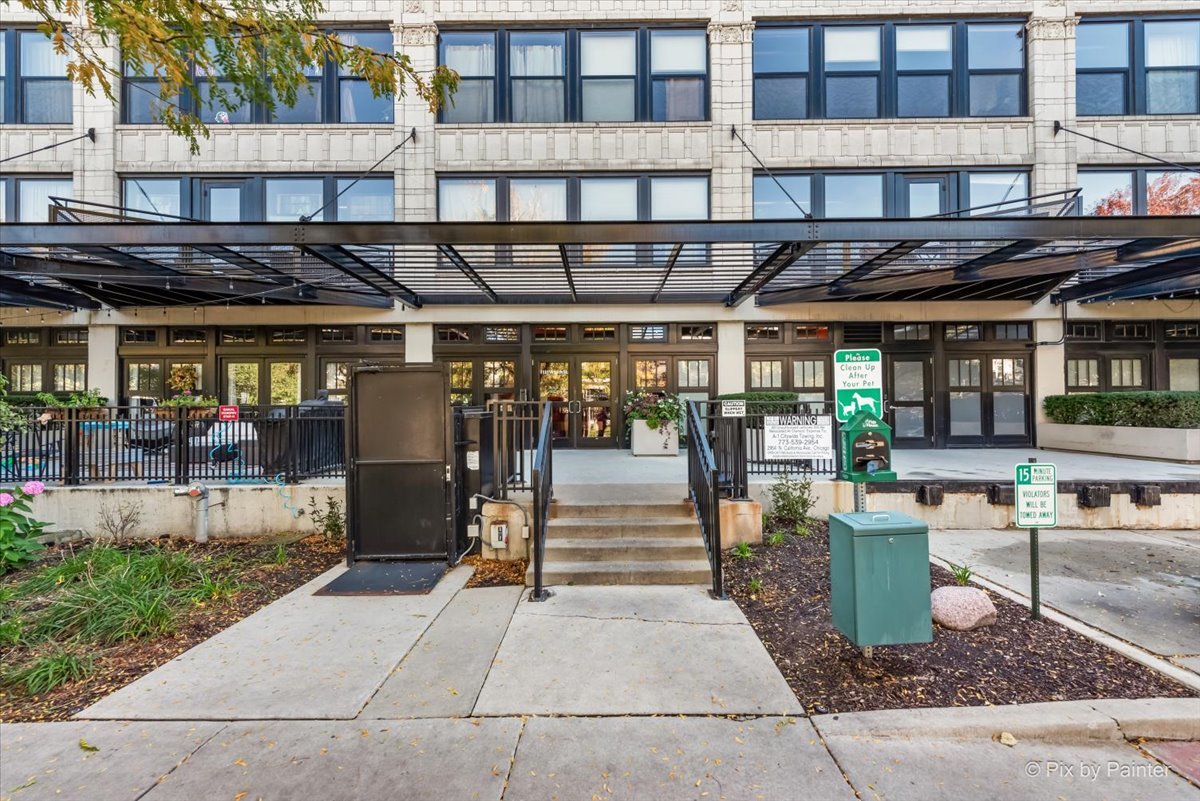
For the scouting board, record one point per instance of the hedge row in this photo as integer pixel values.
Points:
(1138, 409)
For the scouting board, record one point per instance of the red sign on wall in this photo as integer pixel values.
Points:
(227, 414)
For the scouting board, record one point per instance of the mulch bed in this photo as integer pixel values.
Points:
(118, 665)
(495, 573)
(1016, 660)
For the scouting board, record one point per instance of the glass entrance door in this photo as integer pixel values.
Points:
(911, 401)
(924, 195)
(988, 399)
(582, 389)
(250, 382)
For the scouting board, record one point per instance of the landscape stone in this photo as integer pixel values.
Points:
(962, 608)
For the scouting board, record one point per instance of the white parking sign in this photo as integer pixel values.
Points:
(1036, 495)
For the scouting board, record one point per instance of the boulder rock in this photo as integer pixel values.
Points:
(962, 608)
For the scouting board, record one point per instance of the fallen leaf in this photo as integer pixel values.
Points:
(86, 746)
(1006, 738)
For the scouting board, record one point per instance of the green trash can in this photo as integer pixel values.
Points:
(879, 578)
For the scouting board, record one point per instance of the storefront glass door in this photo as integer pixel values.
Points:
(582, 390)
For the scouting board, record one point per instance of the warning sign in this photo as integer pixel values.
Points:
(798, 436)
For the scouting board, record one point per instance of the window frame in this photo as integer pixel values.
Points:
(1139, 181)
(192, 188)
(889, 72)
(328, 104)
(10, 192)
(573, 78)
(12, 98)
(1136, 89)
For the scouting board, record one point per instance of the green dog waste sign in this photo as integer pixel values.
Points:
(858, 382)
(1037, 495)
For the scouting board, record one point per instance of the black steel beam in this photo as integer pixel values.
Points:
(14, 292)
(454, 234)
(1183, 286)
(998, 256)
(123, 259)
(466, 269)
(236, 259)
(566, 262)
(1157, 248)
(1136, 276)
(671, 259)
(895, 252)
(365, 272)
(768, 270)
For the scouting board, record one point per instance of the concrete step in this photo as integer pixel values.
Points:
(566, 511)
(624, 549)
(621, 527)
(682, 571)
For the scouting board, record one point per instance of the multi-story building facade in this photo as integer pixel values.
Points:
(628, 111)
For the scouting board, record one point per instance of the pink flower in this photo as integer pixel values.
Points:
(6, 499)
(33, 488)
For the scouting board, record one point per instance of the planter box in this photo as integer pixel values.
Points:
(647, 441)
(1170, 444)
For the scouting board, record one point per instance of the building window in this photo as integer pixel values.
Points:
(188, 336)
(888, 69)
(1102, 62)
(139, 336)
(337, 376)
(252, 198)
(910, 332)
(22, 336)
(992, 192)
(599, 333)
(191, 372)
(70, 336)
(462, 382)
(1125, 373)
(24, 378)
(1107, 193)
(621, 75)
(453, 333)
(1083, 373)
(648, 333)
(766, 374)
(365, 200)
(34, 88)
(28, 199)
(1130, 330)
(144, 379)
(70, 377)
(962, 333)
(1137, 66)
(1182, 331)
(1011, 331)
(1083, 330)
(693, 373)
(333, 94)
(763, 333)
(550, 333)
(650, 373)
(1183, 375)
(1172, 67)
(289, 336)
(501, 333)
(387, 333)
(808, 374)
(499, 375)
(339, 335)
(238, 336)
(695, 333)
(812, 332)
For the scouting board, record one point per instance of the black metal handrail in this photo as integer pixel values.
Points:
(514, 436)
(704, 489)
(543, 493)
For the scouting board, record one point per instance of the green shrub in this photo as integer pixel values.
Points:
(742, 550)
(760, 403)
(331, 521)
(791, 502)
(962, 574)
(19, 531)
(756, 585)
(776, 538)
(52, 670)
(1139, 409)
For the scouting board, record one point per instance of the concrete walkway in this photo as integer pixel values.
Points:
(1139, 586)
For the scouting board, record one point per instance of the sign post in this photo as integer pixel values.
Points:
(1036, 498)
(857, 382)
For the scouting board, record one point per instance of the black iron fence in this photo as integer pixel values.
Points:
(704, 489)
(543, 493)
(740, 443)
(175, 445)
(515, 433)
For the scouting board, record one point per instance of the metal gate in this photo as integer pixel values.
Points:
(400, 471)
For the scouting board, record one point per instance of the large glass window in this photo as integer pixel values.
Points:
(537, 76)
(154, 195)
(588, 75)
(1174, 192)
(289, 199)
(368, 200)
(608, 75)
(889, 69)
(28, 199)
(1106, 193)
(852, 63)
(1137, 66)
(853, 195)
(467, 199)
(331, 94)
(44, 91)
(997, 191)
(253, 198)
(774, 196)
(1139, 191)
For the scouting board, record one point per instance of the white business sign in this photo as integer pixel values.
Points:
(1036, 495)
(798, 436)
(733, 408)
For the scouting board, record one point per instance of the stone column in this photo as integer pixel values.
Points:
(95, 164)
(103, 366)
(730, 44)
(418, 343)
(731, 357)
(1050, 41)
(415, 178)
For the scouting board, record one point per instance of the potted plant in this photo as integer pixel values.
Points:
(89, 404)
(197, 405)
(653, 419)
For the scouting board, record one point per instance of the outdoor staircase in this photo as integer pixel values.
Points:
(623, 543)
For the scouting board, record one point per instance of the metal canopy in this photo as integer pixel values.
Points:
(130, 261)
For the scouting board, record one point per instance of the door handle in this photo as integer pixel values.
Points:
(574, 407)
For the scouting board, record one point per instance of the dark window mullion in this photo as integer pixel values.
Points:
(887, 103)
(1139, 67)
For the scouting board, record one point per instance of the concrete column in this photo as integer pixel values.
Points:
(1050, 40)
(1049, 364)
(730, 45)
(731, 357)
(104, 368)
(415, 176)
(418, 343)
(95, 164)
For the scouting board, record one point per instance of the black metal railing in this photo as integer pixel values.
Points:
(514, 437)
(704, 488)
(543, 493)
(174, 445)
(739, 443)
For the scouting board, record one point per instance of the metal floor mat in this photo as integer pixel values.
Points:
(386, 578)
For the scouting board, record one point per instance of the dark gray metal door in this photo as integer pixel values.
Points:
(400, 477)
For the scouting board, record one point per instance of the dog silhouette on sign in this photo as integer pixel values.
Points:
(865, 403)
